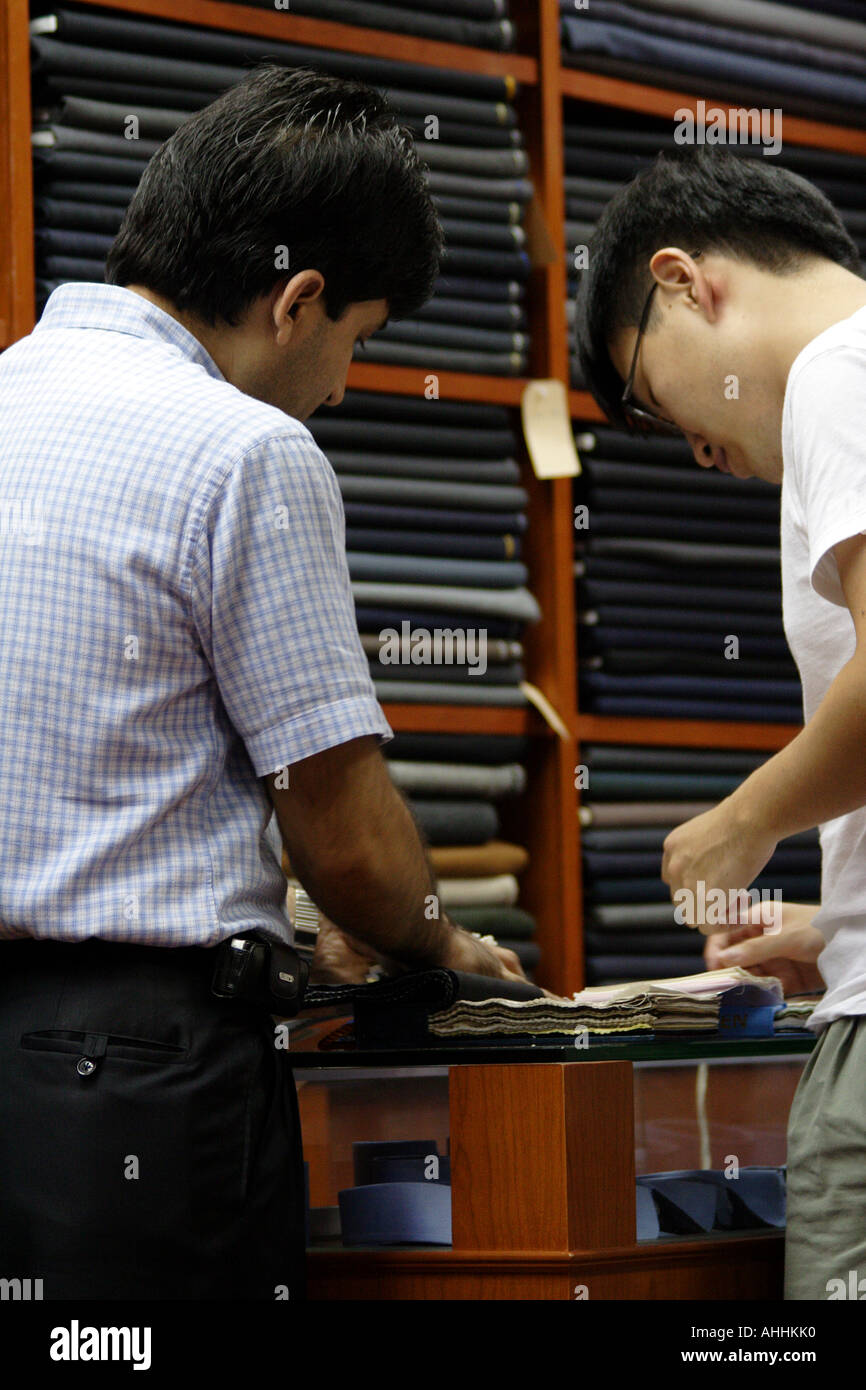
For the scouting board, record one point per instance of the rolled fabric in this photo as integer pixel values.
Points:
(477, 861)
(437, 569)
(458, 779)
(626, 813)
(456, 822)
(505, 923)
(509, 673)
(497, 890)
(445, 693)
(506, 603)
(475, 748)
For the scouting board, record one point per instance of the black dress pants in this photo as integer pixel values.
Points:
(149, 1134)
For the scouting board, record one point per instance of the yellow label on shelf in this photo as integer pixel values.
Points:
(547, 430)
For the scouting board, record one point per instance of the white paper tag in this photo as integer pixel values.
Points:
(547, 430)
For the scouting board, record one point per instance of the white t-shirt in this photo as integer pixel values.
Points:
(823, 503)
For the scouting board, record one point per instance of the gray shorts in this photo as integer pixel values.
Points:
(825, 1242)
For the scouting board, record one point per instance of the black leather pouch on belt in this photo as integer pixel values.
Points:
(266, 973)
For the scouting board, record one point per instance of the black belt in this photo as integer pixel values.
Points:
(249, 967)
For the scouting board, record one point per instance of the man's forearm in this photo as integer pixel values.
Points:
(821, 774)
(384, 892)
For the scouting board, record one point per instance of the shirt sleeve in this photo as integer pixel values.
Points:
(828, 423)
(272, 604)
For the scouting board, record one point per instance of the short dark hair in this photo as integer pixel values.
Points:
(701, 198)
(293, 158)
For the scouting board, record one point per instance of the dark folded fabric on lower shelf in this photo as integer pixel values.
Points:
(630, 661)
(399, 19)
(447, 359)
(485, 497)
(436, 569)
(600, 969)
(432, 693)
(452, 822)
(417, 543)
(507, 923)
(751, 646)
(624, 785)
(428, 518)
(684, 942)
(473, 748)
(595, 592)
(669, 708)
(632, 758)
(796, 887)
(501, 673)
(689, 687)
(635, 863)
(374, 619)
(439, 435)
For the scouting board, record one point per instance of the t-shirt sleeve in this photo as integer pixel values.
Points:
(272, 604)
(828, 422)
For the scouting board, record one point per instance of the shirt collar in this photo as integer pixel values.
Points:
(119, 310)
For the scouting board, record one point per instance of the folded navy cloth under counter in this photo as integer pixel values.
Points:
(692, 1201)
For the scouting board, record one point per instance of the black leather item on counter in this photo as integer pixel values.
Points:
(395, 1012)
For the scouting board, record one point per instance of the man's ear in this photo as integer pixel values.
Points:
(289, 297)
(675, 269)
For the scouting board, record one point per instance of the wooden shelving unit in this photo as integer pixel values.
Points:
(548, 821)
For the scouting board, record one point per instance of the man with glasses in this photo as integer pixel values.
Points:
(774, 302)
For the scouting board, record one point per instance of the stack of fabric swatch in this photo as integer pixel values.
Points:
(456, 784)
(678, 586)
(434, 522)
(605, 148)
(633, 798)
(94, 71)
(479, 23)
(808, 58)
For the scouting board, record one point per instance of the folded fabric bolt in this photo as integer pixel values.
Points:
(633, 863)
(424, 333)
(797, 887)
(445, 778)
(496, 33)
(619, 838)
(595, 592)
(610, 757)
(497, 890)
(475, 748)
(605, 969)
(396, 1213)
(498, 651)
(629, 661)
(731, 560)
(444, 693)
(489, 574)
(511, 674)
(425, 466)
(456, 822)
(401, 437)
(711, 644)
(426, 519)
(669, 708)
(641, 786)
(784, 49)
(504, 923)
(448, 359)
(462, 545)
(477, 861)
(508, 603)
(629, 916)
(626, 813)
(690, 686)
(646, 944)
(691, 623)
(504, 630)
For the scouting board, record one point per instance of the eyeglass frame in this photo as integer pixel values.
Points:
(635, 412)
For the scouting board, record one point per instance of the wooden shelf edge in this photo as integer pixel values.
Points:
(582, 407)
(458, 386)
(683, 733)
(666, 1251)
(465, 719)
(662, 101)
(321, 33)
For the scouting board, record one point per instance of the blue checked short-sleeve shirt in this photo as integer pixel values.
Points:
(176, 621)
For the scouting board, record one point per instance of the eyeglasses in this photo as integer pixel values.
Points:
(636, 415)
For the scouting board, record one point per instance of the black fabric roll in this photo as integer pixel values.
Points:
(427, 518)
(490, 749)
(645, 943)
(416, 543)
(495, 34)
(374, 619)
(201, 43)
(466, 822)
(600, 969)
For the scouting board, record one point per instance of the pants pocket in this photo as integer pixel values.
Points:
(93, 1047)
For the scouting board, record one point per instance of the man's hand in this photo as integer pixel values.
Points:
(719, 849)
(340, 959)
(789, 950)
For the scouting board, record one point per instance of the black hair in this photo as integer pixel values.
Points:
(703, 198)
(292, 158)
